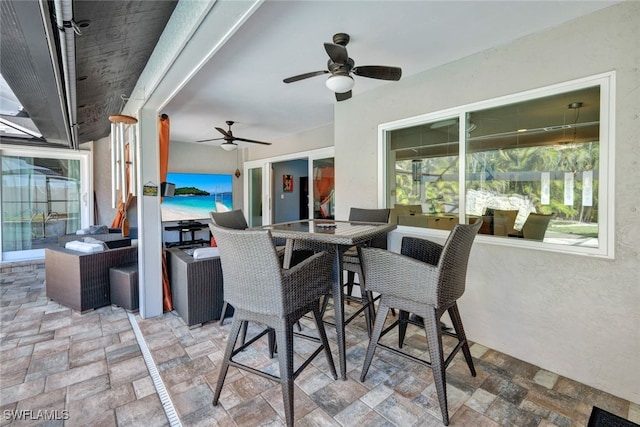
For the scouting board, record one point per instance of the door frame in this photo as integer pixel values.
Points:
(268, 178)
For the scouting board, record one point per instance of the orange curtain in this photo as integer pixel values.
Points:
(323, 184)
(163, 130)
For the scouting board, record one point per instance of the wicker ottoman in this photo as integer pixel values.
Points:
(196, 287)
(124, 286)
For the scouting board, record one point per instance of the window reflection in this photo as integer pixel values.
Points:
(323, 189)
(40, 201)
(531, 169)
(426, 169)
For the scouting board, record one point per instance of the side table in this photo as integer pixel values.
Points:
(124, 286)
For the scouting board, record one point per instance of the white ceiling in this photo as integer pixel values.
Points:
(243, 80)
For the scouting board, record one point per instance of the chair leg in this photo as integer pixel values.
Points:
(434, 340)
(317, 316)
(231, 343)
(351, 277)
(284, 338)
(367, 297)
(243, 331)
(224, 312)
(383, 311)
(369, 314)
(271, 338)
(325, 303)
(402, 327)
(454, 314)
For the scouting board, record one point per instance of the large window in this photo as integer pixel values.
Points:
(533, 167)
(42, 198)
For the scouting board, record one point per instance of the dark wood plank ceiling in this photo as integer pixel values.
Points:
(110, 55)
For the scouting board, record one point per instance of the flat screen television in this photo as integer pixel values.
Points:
(197, 194)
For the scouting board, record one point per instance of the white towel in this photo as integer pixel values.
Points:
(84, 247)
(206, 253)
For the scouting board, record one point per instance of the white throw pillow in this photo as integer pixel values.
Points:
(206, 253)
(84, 247)
(96, 242)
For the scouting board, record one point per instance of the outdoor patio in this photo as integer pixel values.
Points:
(90, 369)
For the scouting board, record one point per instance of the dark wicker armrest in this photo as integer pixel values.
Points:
(400, 275)
(421, 249)
(307, 281)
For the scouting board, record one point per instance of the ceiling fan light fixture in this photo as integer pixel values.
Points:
(340, 83)
(229, 146)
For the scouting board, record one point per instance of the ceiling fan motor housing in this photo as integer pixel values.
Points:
(341, 38)
(337, 69)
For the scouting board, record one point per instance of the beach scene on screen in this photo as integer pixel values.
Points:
(197, 194)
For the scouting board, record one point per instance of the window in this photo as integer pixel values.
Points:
(42, 198)
(533, 166)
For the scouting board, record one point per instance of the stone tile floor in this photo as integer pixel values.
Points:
(87, 369)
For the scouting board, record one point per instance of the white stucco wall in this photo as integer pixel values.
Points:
(316, 138)
(573, 315)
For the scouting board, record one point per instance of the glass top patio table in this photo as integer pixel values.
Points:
(338, 236)
(347, 233)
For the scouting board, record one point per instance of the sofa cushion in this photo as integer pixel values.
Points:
(201, 253)
(96, 242)
(84, 246)
(93, 229)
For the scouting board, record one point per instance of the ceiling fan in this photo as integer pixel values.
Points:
(340, 66)
(229, 140)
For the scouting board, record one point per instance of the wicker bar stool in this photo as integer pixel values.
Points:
(261, 291)
(235, 219)
(231, 219)
(351, 263)
(426, 279)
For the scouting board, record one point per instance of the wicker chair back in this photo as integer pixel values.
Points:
(435, 276)
(250, 270)
(231, 219)
(372, 215)
(453, 262)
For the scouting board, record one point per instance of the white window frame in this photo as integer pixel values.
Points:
(606, 191)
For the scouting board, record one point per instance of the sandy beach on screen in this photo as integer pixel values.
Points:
(179, 213)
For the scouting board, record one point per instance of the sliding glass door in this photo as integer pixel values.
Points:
(44, 195)
(264, 185)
